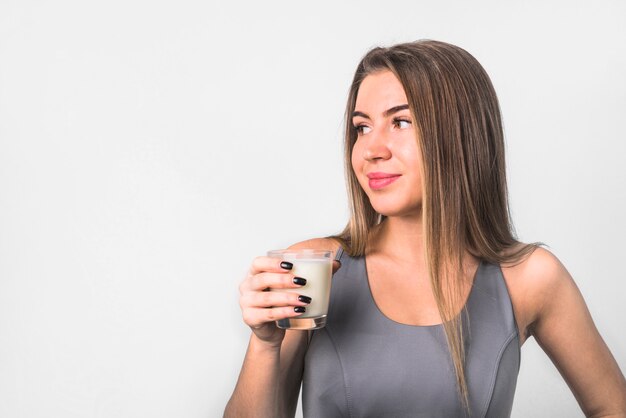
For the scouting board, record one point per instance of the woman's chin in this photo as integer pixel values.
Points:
(398, 211)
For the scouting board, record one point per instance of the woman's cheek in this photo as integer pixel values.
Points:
(355, 161)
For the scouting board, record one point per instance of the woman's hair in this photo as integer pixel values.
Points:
(464, 204)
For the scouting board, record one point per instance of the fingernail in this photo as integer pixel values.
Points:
(299, 281)
(304, 299)
(286, 265)
(299, 309)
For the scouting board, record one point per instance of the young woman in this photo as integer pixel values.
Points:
(433, 296)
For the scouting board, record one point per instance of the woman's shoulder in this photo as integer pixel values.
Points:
(537, 270)
(326, 244)
(534, 282)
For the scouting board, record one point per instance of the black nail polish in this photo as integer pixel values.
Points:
(304, 299)
(286, 265)
(299, 281)
(299, 309)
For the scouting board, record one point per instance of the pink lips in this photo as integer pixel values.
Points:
(379, 180)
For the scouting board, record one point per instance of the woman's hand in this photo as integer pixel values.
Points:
(261, 308)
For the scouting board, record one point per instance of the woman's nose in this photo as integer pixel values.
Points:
(376, 148)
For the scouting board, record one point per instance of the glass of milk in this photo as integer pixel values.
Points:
(316, 267)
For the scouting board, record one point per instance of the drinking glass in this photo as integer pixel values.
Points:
(316, 267)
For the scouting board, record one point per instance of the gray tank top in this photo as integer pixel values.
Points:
(363, 364)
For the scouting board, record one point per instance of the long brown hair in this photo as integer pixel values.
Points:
(464, 203)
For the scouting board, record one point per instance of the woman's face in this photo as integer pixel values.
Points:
(386, 157)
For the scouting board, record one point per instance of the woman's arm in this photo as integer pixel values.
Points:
(270, 378)
(563, 327)
(269, 382)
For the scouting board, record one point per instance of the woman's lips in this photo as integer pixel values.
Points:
(379, 180)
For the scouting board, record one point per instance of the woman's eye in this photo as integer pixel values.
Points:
(362, 129)
(401, 123)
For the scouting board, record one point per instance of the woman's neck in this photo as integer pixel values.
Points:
(400, 238)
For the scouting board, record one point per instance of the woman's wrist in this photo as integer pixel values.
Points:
(257, 345)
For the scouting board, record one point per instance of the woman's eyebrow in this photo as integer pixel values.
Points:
(386, 113)
(395, 109)
(361, 114)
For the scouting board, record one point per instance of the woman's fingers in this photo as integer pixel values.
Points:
(272, 299)
(267, 272)
(265, 280)
(257, 317)
(261, 307)
(276, 265)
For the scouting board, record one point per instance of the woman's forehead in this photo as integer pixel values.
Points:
(378, 92)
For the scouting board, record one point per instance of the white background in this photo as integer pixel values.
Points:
(150, 149)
